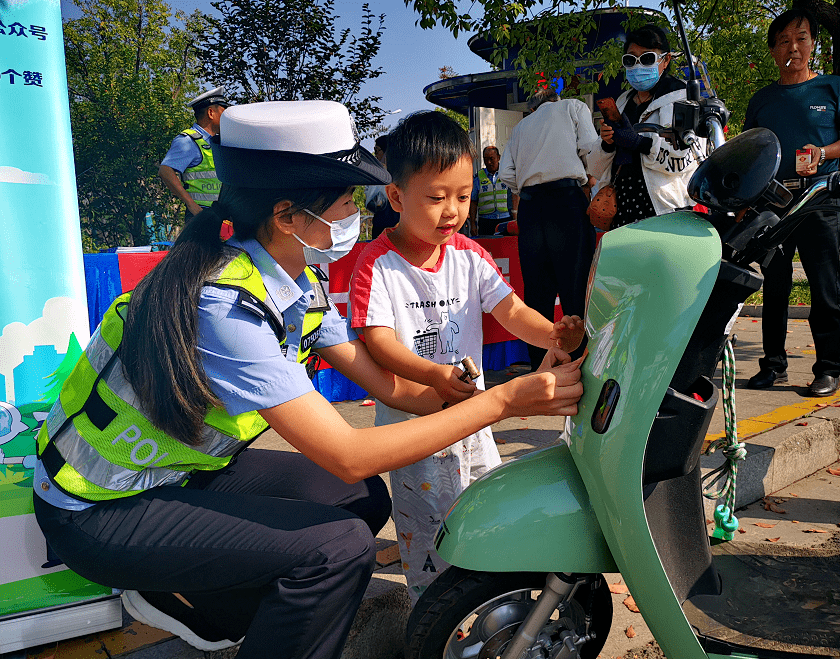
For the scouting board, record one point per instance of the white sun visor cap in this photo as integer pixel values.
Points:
(293, 144)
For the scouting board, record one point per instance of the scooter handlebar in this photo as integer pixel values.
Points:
(832, 184)
(714, 128)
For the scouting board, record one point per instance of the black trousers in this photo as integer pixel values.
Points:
(273, 548)
(487, 226)
(818, 242)
(556, 245)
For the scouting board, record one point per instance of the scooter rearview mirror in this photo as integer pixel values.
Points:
(739, 173)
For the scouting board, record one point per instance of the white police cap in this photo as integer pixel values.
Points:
(213, 97)
(305, 144)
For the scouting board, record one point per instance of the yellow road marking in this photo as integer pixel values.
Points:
(781, 415)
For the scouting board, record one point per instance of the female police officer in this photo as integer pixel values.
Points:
(142, 483)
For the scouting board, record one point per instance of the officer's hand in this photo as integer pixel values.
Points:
(554, 389)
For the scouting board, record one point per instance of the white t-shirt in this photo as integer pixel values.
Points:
(551, 143)
(435, 312)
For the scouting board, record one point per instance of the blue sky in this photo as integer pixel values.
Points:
(410, 56)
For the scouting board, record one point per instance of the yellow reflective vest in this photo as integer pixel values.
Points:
(201, 181)
(98, 444)
(492, 198)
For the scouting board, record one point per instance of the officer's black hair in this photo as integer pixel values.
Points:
(159, 349)
(649, 36)
(786, 18)
(202, 113)
(426, 139)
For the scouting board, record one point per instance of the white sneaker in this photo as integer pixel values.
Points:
(191, 627)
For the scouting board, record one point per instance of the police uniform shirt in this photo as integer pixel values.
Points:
(184, 152)
(248, 369)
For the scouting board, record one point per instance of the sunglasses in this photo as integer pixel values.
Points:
(645, 59)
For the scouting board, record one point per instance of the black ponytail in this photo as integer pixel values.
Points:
(159, 352)
(159, 348)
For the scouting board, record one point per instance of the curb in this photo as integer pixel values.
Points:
(799, 312)
(779, 457)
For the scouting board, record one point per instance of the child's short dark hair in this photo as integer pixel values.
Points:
(426, 138)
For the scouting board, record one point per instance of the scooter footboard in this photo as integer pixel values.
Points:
(532, 514)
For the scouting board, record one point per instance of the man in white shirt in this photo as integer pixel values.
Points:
(544, 164)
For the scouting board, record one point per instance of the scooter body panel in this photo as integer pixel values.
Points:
(529, 515)
(652, 281)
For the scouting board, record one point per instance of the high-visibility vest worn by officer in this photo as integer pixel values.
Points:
(200, 181)
(97, 444)
(492, 197)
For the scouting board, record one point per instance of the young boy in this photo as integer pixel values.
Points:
(417, 295)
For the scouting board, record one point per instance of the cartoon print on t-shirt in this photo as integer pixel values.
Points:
(443, 331)
(449, 329)
(425, 343)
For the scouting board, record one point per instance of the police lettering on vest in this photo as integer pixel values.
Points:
(98, 444)
(200, 181)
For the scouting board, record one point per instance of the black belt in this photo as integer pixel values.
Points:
(541, 188)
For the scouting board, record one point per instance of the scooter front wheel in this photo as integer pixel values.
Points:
(473, 615)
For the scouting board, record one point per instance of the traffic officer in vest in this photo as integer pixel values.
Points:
(188, 169)
(145, 479)
(491, 199)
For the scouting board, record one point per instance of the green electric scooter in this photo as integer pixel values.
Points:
(530, 540)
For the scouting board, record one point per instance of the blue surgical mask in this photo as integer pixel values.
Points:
(642, 78)
(344, 234)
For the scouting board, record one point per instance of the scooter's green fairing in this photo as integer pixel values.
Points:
(652, 282)
(529, 515)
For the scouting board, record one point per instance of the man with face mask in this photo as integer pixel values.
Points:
(803, 110)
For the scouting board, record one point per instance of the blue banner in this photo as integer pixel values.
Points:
(43, 310)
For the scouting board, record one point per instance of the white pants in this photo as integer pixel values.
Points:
(422, 494)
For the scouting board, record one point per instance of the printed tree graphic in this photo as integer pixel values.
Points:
(57, 378)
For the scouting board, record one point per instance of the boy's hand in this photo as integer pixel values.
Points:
(567, 333)
(448, 385)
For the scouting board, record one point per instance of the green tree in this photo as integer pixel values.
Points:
(447, 72)
(462, 119)
(731, 38)
(131, 66)
(287, 50)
